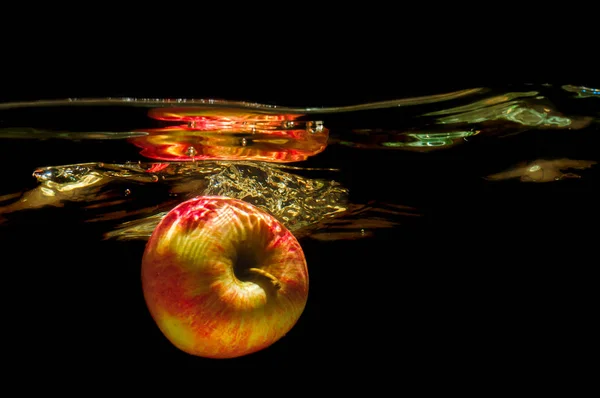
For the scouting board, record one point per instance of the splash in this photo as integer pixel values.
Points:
(138, 195)
(133, 198)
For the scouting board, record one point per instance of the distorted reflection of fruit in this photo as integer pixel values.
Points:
(187, 144)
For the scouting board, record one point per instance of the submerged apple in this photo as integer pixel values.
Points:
(223, 278)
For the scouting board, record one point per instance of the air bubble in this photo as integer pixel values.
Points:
(314, 127)
(244, 142)
(191, 152)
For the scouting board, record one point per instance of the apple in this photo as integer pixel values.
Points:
(223, 278)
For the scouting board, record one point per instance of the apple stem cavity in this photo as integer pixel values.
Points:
(271, 278)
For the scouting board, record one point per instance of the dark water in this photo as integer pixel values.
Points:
(453, 231)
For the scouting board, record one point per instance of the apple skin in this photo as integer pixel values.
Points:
(223, 278)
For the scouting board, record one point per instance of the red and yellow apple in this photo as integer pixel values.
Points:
(223, 278)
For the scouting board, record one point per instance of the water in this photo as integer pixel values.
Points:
(453, 227)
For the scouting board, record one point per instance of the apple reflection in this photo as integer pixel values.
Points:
(214, 133)
(211, 117)
(181, 144)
